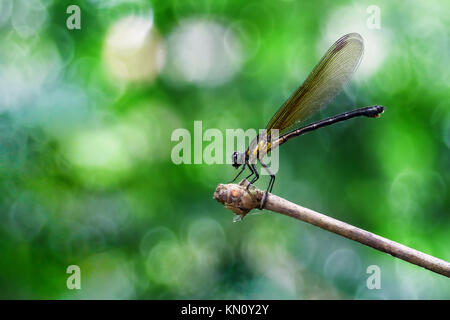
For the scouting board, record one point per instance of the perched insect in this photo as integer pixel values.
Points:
(327, 78)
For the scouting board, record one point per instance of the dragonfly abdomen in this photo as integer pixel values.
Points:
(372, 112)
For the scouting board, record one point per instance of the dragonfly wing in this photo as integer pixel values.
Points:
(327, 78)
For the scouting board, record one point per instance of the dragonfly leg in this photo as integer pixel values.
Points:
(252, 172)
(269, 187)
(239, 173)
(256, 177)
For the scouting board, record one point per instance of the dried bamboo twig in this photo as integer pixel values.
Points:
(236, 198)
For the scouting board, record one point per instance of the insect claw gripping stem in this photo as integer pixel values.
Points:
(263, 201)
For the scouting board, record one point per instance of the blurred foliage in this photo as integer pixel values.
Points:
(86, 118)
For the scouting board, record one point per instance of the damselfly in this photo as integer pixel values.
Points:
(327, 78)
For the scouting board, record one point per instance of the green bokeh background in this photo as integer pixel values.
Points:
(85, 149)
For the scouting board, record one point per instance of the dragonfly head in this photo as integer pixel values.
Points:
(237, 159)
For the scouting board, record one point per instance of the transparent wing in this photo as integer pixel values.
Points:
(327, 78)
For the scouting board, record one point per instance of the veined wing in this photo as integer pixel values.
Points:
(327, 78)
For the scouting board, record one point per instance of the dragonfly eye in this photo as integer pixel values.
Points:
(235, 159)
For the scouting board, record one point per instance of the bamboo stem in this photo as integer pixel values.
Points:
(240, 201)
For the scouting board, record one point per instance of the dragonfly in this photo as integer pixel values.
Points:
(325, 81)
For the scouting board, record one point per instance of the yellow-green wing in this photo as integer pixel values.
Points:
(327, 78)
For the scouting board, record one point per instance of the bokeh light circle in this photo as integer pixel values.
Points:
(133, 50)
(202, 52)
